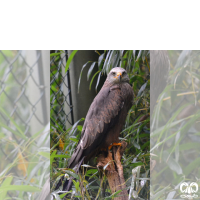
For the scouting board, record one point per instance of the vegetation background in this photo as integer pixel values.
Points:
(136, 159)
(24, 154)
(175, 128)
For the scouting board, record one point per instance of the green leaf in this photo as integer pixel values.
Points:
(79, 80)
(93, 175)
(63, 195)
(168, 125)
(137, 164)
(139, 54)
(147, 144)
(44, 154)
(93, 79)
(6, 182)
(142, 89)
(105, 63)
(100, 60)
(52, 156)
(70, 173)
(91, 171)
(54, 88)
(173, 164)
(136, 145)
(70, 59)
(77, 186)
(75, 125)
(73, 139)
(98, 81)
(90, 70)
(55, 54)
(116, 60)
(26, 188)
(109, 63)
(79, 127)
(190, 168)
(134, 52)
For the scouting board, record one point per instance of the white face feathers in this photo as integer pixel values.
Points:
(118, 75)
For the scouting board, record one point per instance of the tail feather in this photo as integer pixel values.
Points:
(76, 157)
(68, 184)
(75, 161)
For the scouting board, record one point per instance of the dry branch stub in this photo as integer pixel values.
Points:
(114, 170)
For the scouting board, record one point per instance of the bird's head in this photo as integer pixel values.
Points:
(118, 75)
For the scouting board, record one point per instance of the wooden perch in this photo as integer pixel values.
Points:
(114, 170)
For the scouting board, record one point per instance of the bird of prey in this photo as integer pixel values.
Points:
(105, 118)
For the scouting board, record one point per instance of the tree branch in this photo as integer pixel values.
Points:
(114, 170)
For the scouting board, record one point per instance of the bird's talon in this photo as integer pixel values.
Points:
(114, 144)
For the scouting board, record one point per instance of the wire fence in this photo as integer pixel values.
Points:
(24, 114)
(61, 109)
(19, 77)
(61, 101)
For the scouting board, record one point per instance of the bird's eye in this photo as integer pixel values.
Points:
(113, 73)
(123, 73)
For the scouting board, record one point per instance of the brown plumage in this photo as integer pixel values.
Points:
(106, 116)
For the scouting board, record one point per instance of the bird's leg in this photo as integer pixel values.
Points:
(114, 144)
(103, 149)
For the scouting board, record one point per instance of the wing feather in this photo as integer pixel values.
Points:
(104, 108)
(102, 113)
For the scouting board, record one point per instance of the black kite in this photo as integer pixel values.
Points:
(106, 117)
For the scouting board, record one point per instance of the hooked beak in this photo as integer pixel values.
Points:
(119, 76)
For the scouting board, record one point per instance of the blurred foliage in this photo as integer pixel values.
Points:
(175, 128)
(136, 132)
(24, 161)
